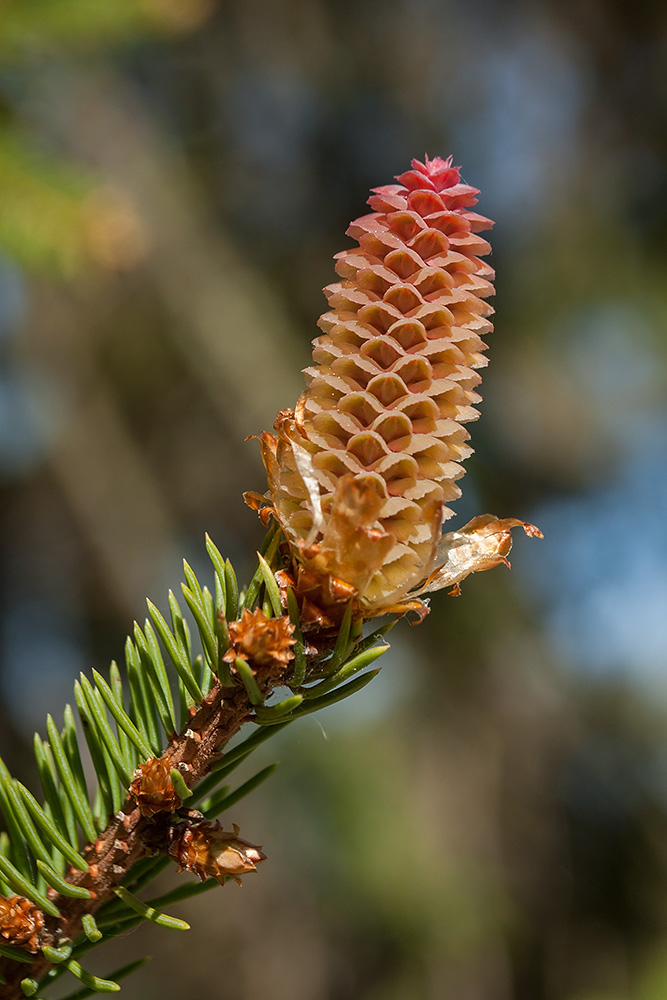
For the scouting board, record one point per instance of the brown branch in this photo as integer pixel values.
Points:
(128, 834)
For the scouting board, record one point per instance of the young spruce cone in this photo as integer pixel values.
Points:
(360, 473)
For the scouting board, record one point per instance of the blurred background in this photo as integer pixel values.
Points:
(488, 820)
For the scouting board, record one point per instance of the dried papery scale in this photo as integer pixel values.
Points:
(361, 472)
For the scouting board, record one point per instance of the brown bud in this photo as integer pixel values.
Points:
(266, 642)
(153, 788)
(205, 849)
(20, 922)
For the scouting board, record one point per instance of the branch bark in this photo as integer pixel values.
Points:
(128, 834)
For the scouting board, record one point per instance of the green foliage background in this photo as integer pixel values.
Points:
(489, 820)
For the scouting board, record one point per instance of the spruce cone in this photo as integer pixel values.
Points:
(361, 472)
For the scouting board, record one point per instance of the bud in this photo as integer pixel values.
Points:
(153, 788)
(205, 849)
(20, 922)
(266, 642)
(361, 471)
